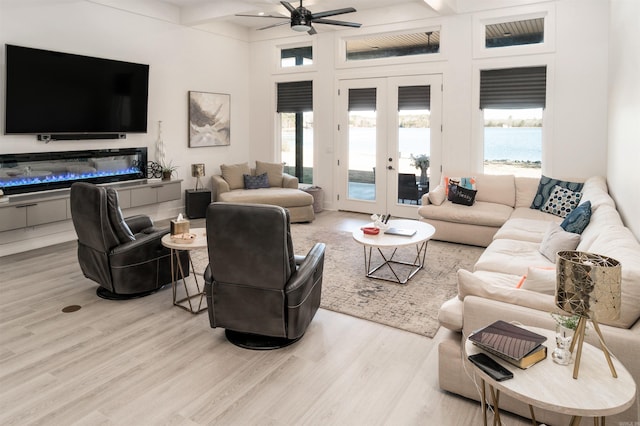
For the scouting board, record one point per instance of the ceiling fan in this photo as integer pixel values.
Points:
(302, 18)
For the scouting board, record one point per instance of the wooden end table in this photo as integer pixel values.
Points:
(550, 386)
(177, 272)
(423, 234)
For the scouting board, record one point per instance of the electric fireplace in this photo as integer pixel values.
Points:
(42, 171)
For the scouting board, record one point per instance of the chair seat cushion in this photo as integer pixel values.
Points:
(283, 197)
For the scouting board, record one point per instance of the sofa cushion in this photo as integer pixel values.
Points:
(526, 188)
(502, 287)
(557, 239)
(233, 174)
(578, 219)
(523, 229)
(511, 257)
(603, 217)
(283, 197)
(619, 243)
(595, 190)
(483, 214)
(561, 201)
(546, 186)
(499, 189)
(273, 170)
(255, 182)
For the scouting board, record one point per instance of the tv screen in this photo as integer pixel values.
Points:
(52, 92)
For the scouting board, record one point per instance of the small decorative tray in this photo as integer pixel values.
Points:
(370, 230)
(185, 238)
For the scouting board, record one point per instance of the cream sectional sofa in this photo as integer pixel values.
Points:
(282, 191)
(490, 292)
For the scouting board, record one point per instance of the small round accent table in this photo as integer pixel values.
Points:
(423, 233)
(596, 393)
(177, 272)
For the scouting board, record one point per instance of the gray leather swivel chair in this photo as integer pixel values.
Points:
(124, 256)
(257, 289)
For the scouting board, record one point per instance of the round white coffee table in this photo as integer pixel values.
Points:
(596, 393)
(177, 272)
(383, 241)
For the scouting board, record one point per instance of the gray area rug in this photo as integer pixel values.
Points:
(345, 288)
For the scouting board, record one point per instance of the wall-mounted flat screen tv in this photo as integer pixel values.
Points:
(53, 92)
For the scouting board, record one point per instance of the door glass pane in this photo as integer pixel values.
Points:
(362, 155)
(297, 144)
(414, 151)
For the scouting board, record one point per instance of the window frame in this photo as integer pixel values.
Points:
(481, 20)
(341, 48)
(477, 136)
(297, 69)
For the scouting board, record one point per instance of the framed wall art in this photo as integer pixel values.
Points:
(209, 119)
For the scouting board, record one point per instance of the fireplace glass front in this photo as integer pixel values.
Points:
(42, 171)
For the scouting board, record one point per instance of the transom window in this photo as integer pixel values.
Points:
(514, 33)
(296, 56)
(392, 45)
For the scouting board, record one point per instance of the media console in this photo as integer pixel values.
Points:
(33, 209)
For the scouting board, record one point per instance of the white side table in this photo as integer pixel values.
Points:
(177, 272)
(596, 393)
(423, 234)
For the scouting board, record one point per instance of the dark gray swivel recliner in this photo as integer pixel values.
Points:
(257, 289)
(123, 255)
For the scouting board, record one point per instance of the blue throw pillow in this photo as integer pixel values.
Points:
(578, 219)
(255, 182)
(546, 186)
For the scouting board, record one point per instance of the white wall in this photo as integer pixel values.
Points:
(624, 110)
(576, 129)
(180, 59)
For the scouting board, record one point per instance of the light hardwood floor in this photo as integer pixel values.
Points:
(145, 362)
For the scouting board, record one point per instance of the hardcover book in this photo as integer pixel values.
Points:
(514, 344)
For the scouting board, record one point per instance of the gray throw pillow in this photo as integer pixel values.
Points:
(255, 182)
(557, 239)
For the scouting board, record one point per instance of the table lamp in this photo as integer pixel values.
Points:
(588, 285)
(197, 171)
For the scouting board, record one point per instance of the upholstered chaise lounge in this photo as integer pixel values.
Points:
(238, 183)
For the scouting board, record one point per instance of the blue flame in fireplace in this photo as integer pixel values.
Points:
(37, 179)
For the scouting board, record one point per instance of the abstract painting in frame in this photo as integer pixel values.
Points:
(209, 119)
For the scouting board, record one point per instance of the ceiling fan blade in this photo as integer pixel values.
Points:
(332, 22)
(274, 25)
(288, 6)
(332, 12)
(263, 16)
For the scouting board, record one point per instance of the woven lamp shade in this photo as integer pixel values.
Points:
(588, 284)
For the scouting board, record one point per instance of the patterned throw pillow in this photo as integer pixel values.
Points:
(255, 182)
(578, 219)
(561, 202)
(547, 185)
(465, 182)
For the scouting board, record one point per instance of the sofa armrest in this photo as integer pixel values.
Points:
(219, 186)
(425, 199)
(289, 181)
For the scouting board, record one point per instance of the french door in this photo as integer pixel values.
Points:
(390, 143)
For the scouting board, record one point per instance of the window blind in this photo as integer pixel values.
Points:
(513, 88)
(295, 96)
(362, 99)
(414, 97)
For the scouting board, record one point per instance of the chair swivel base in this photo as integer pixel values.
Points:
(109, 295)
(258, 342)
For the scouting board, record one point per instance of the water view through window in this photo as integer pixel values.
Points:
(513, 141)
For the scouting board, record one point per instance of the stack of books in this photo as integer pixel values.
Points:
(514, 344)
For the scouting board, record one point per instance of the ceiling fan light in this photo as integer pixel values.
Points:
(300, 27)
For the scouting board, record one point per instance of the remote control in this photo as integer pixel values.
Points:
(491, 367)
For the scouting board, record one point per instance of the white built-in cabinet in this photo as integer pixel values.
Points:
(23, 211)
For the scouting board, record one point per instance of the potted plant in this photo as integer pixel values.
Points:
(421, 162)
(565, 329)
(168, 170)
